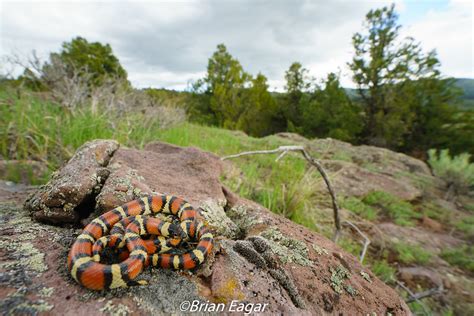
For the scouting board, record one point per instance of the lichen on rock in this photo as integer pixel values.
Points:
(338, 275)
(216, 217)
(289, 250)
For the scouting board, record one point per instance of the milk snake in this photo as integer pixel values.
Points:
(126, 224)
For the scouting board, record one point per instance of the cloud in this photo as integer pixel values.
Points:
(164, 44)
(451, 33)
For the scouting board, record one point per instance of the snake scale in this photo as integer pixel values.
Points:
(123, 227)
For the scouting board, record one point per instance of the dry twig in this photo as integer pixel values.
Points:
(420, 295)
(366, 240)
(283, 150)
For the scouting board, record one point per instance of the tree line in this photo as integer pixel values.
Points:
(403, 102)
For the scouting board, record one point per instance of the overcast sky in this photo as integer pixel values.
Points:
(168, 43)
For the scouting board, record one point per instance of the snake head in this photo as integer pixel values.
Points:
(176, 230)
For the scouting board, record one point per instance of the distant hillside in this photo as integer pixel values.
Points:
(177, 98)
(465, 84)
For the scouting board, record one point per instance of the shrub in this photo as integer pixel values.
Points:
(457, 171)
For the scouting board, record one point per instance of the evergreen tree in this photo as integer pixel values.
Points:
(330, 113)
(225, 82)
(93, 58)
(259, 116)
(382, 67)
(296, 84)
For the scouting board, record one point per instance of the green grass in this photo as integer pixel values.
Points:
(462, 257)
(436, 212)
(358, 207)
(411, 254)
(384, 271)
(469, 207)
(466, 225)
(350, 246)
(36, 129)
(401, 212)
(23, 172)
(283, 187)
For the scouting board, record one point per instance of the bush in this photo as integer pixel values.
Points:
(457, 171)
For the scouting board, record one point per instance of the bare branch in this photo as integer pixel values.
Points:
(285, 149)
(411, 295)
(366, 240)
(420, 295)
(424, 294)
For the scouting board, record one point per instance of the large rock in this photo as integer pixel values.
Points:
(259, 257)
(162, 168)
(352, 180)
(70, 189)
(357, 170)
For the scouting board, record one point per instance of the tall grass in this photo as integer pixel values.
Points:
(32, 128)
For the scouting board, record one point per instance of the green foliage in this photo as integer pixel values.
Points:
(432, 104)
(92, 57)
(401, 212)
(463, 257)
(459, 133)
(169, 98)
(296, 84)
(258, 116)
(410, 254)
(285, 187)
(330, 113)
(384, 271)
(231, 98)
(398, 84)
(225, 82)
(457, 171)
(355, 205)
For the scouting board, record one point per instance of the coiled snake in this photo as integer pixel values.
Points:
(126, 224)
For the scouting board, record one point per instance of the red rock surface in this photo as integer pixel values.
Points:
(259, 256)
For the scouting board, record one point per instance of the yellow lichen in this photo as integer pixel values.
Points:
(229, 291)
